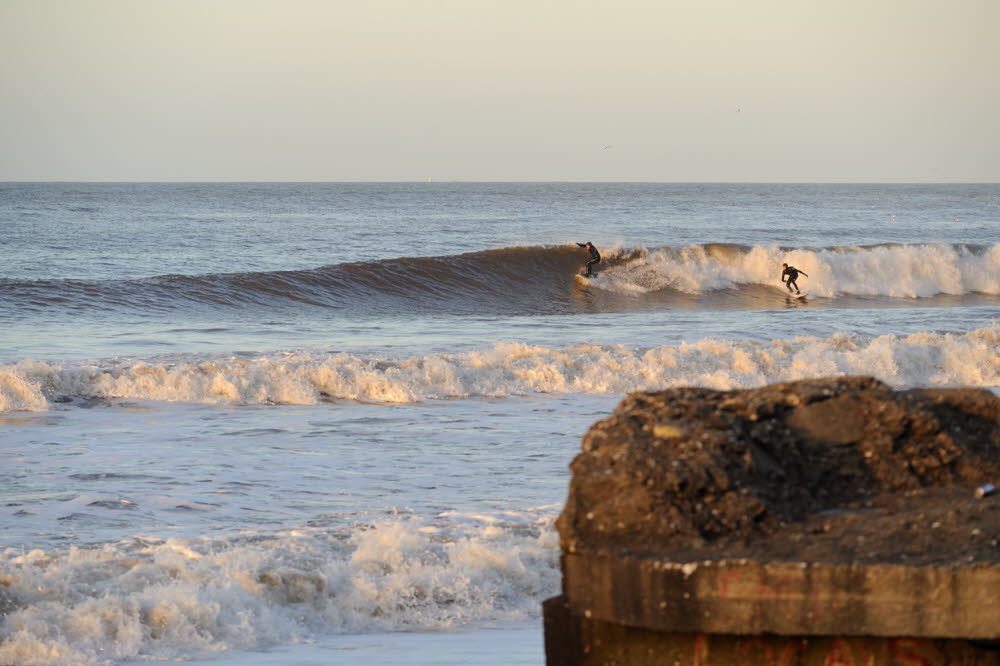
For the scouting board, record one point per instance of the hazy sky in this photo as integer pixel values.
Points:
(664, 90)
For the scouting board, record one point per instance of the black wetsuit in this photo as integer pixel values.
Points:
(793, 275)
(595, 257)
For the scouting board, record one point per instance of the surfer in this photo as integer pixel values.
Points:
(793, 274)
(595, 257)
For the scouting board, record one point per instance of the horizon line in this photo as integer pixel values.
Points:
(209, 181)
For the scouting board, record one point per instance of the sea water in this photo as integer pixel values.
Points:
(331, 423)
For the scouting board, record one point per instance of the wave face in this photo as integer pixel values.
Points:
(507, 281)
(539, 280)
(305, 378)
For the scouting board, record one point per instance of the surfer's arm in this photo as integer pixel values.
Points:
(804, 273)
(582, 244)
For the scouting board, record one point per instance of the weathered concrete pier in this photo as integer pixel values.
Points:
(818, 522)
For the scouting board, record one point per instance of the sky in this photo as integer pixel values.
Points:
(500, 90)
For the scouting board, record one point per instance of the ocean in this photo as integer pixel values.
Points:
(330, 423)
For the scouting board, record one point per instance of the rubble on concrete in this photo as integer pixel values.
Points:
(838, 471)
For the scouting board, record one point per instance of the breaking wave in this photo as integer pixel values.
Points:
(508, 369)
(538, 280)
(164, 599)
(897, 271)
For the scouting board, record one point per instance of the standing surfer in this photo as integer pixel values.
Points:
(793, 274)
(595, 257)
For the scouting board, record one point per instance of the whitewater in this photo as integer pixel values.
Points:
(510, 369)
(331, 423)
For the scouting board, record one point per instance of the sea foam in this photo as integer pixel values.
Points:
(170, 598)
(506, 369)
(899, 271)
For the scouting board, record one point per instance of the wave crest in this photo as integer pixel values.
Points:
(898, 271)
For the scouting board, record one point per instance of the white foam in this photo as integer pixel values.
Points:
(969, 359)
(901, 271)
(169, 599)
(20, 390)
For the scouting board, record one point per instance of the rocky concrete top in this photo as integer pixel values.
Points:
(836, 471)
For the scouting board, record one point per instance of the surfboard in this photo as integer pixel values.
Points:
(791, 294)
(579, 277)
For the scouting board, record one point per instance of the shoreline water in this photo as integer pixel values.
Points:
(518, 644)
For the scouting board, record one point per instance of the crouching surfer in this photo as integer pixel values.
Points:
(595, 257)
(793, 274)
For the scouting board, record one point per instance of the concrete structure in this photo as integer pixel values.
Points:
(825, 522)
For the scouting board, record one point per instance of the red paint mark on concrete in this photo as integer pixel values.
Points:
(700, 650)
(840, 654)
(793, 652)
(903, 650)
